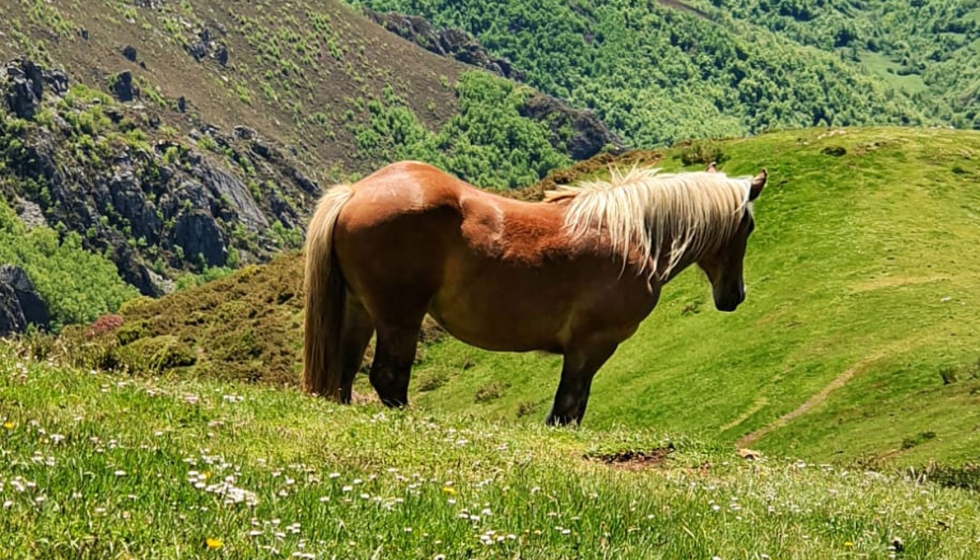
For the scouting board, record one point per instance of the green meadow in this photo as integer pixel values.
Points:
(859, 336)
(97, 465)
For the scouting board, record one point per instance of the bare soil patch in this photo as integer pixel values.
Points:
(634, 460)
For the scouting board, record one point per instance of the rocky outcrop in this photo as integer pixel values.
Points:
(197, 233)
(152, 207)
(588, 134)
(20, 304)
(23, 83)
(450, 42)
(205, 45)
(122, 86)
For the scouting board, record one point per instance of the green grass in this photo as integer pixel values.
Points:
(862, 268)
(879, 64)
(107, 466)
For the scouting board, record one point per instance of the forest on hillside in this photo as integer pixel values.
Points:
(661, 72)
(926, 48)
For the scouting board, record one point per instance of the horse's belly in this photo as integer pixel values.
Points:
(492, 320)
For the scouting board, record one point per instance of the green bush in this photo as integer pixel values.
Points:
(487, 143)
(77, 285)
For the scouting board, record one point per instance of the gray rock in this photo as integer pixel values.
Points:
(122, 87)
(197, 50)
(450, 42)
(226, 187)
(130, 202)
(56, 81)
(221, 55)
(30, 213)
(129, 52)
(413, 28)
(589, 134)
(11, 315)
(23, 86)
(197, 233)
(20, 304)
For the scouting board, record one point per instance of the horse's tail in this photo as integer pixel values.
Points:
(326, 296)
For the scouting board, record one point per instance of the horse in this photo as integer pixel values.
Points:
(573, 274)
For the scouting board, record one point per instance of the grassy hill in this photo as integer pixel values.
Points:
(100, 465)
(858, 339)
(859, 336)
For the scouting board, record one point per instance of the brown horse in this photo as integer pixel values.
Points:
(574, 274)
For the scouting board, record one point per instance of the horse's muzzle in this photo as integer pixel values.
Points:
(730, 303)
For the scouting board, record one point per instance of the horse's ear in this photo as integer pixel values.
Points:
(711, 168)
(758, 183)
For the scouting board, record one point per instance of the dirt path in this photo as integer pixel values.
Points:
(820, 397)
(813, 401)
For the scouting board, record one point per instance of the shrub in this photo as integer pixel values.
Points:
(702, 152)
(155, 355)
(490, 391)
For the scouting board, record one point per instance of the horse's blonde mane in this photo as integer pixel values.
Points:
(644, 208)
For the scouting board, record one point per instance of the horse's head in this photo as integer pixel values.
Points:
(723, 264)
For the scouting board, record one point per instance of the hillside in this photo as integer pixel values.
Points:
(183, 142)
(101, 465)
(928, 49)
(661, 72)
(857, 340)
(859, 335)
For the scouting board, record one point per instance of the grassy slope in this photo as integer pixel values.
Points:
(100, 466)
(849, 270)
(860, 263)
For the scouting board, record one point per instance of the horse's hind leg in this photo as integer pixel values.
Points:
(394, 355)
(358, 328)
(578, 369)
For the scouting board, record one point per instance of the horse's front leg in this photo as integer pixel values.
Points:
(578, 369)
(391, 370)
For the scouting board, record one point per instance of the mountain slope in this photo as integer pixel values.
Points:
(858, 277)
(187, 139)
(659, 74)
(929, 49)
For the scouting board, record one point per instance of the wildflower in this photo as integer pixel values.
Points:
(9, 425)
(449, 490)
(120, 473)
(848, 544)
(214, 544)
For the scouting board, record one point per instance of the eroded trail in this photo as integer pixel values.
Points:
(813, 401)
(824, 393)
